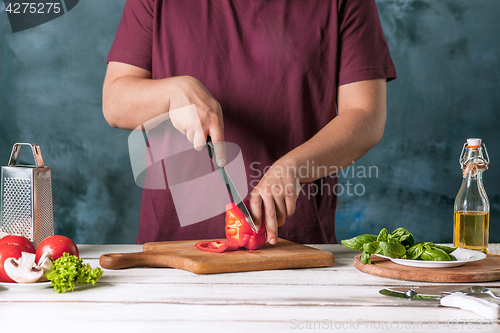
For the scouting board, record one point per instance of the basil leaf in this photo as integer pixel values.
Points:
(356, 243)
(372, 247)
(365, 258)
(393, 250)
(414, 252)
(383, 235)
(435, 254)
(403, 236)
(446, 249)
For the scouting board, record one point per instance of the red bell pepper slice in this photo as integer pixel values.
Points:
(217, 246)
(238, 230)
(211, 246)
(231, 246)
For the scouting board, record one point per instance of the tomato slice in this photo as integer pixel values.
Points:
(217, 246)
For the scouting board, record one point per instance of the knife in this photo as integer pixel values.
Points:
(233, 193)
(449, 296)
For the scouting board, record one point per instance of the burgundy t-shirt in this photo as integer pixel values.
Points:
(274, 66)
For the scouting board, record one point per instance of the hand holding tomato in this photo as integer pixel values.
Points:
(56, 245)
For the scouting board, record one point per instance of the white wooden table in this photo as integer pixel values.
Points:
(337, 298)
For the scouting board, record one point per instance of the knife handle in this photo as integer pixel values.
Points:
(479, 306)
(210, 146)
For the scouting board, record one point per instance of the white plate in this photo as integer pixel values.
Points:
(463, 256)
(25, 286)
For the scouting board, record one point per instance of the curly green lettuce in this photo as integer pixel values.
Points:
(69, 270)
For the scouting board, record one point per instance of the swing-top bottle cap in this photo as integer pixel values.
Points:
(474, 142)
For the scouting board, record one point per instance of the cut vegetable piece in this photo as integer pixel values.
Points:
(46, 264)
(239, 231)
(8, 251)
(217, 246)
(23, 270)
(211, 246)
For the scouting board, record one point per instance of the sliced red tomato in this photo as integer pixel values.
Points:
(216, 246)
(21, 241)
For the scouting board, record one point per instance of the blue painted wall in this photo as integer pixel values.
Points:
(447, 56)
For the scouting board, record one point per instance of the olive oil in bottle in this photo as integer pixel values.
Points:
(471, 230)
(472, 208)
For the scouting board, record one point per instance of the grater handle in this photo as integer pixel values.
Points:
(37, 154)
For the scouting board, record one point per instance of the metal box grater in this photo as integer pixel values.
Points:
(26, 197)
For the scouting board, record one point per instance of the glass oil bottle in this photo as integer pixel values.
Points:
(472, 208)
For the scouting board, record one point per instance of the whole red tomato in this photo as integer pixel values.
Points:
(23, 242)
(56, 245)
(8, 251)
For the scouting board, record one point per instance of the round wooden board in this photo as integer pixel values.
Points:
(484, 270)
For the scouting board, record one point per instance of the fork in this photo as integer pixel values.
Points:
(479, 290)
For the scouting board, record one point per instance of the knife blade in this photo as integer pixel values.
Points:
(455, 299)
(233, 192)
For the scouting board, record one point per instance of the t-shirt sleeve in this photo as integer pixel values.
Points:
(134, 38)
(364, 53)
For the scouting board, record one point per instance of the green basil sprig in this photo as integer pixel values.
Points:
(398, 244)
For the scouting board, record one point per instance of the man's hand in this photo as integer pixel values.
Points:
(131, 98)
(196, 114)
(358, 127)
(278, 191)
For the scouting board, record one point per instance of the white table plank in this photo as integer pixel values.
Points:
(122, 317)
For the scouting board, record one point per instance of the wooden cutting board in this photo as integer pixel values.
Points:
(484, 270)
(184, 255)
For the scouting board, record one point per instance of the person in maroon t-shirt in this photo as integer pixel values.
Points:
(295, 84)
